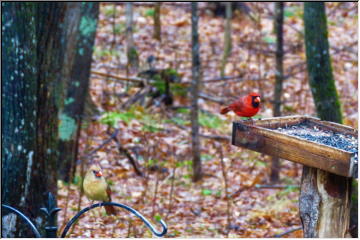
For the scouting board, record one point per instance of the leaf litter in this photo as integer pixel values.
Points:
(163, 148)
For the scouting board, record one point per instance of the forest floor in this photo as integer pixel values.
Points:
(233, 198)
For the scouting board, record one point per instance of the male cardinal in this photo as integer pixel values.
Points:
(246, 106)
(96, 188)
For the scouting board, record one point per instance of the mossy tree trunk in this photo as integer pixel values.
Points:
(324, 199)
(83, 37)
(279, 76)
(197, 172)
(34, 53)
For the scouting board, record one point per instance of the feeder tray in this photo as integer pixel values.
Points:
(284, 137)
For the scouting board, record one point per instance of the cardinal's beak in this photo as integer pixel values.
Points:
(98, 174)
(257, 99)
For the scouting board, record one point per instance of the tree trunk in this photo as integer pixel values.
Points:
(83, 37)
(157, 22)
(197, 173)
(227, 37)
(279, 76)
(34, 51)
(324, 198)
(132, 54)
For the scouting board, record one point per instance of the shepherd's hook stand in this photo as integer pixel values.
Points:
(51, 210)
(148, 224)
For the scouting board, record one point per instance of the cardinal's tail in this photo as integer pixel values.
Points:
(225, 110)
(110, 210)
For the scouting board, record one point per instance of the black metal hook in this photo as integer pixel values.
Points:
(25, 218)
(148, 224)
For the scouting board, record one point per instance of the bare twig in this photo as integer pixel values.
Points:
(155, 194)
(219, 79)
(138, 96)
(104, 143)
(126, 152)
(171, 193)
(276, 186)
(210, 98)
(223, 168)
(129, 79)
(286, 232)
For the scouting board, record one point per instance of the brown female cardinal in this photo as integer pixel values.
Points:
(96, 188)
(246, 106)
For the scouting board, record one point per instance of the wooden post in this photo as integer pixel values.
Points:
(324, 200)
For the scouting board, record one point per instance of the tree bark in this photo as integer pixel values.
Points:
(324, 198)
(83, 37)
(157, 22)
(227, 37)
(34, 51)
(279, 76)
(197, 172)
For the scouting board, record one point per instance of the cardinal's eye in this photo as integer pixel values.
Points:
(95, 172)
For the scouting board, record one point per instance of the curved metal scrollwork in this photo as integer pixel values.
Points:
(148, 224)
(25, 218)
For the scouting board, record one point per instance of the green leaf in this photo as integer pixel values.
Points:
(218, 193)
(110, 182)
(269, 39)
(179, 89)
(77, 180)
(260, 164)
(210, 121)
(179, 164)
(109, 10)
(289, 12)
(112, 118)
(149, 12)
(206, 192)
(183, 110)
(293, 11)
(151, 128)
(152, 162)
(119, 28)
(179, 121)
(292, 188)
(157, 217)
(206, 157)
(188, 162)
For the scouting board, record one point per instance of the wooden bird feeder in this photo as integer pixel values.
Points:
(264, 136)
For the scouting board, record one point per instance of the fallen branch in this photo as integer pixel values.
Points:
(107, 141)
(286, 232)
(219, 79)
(210, 98)
(138, 96)
(126, 152)
(133, 79)
(276, 186)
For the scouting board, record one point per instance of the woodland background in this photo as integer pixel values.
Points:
(149, 166)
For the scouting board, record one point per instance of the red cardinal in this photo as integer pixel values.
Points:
(246, 106)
